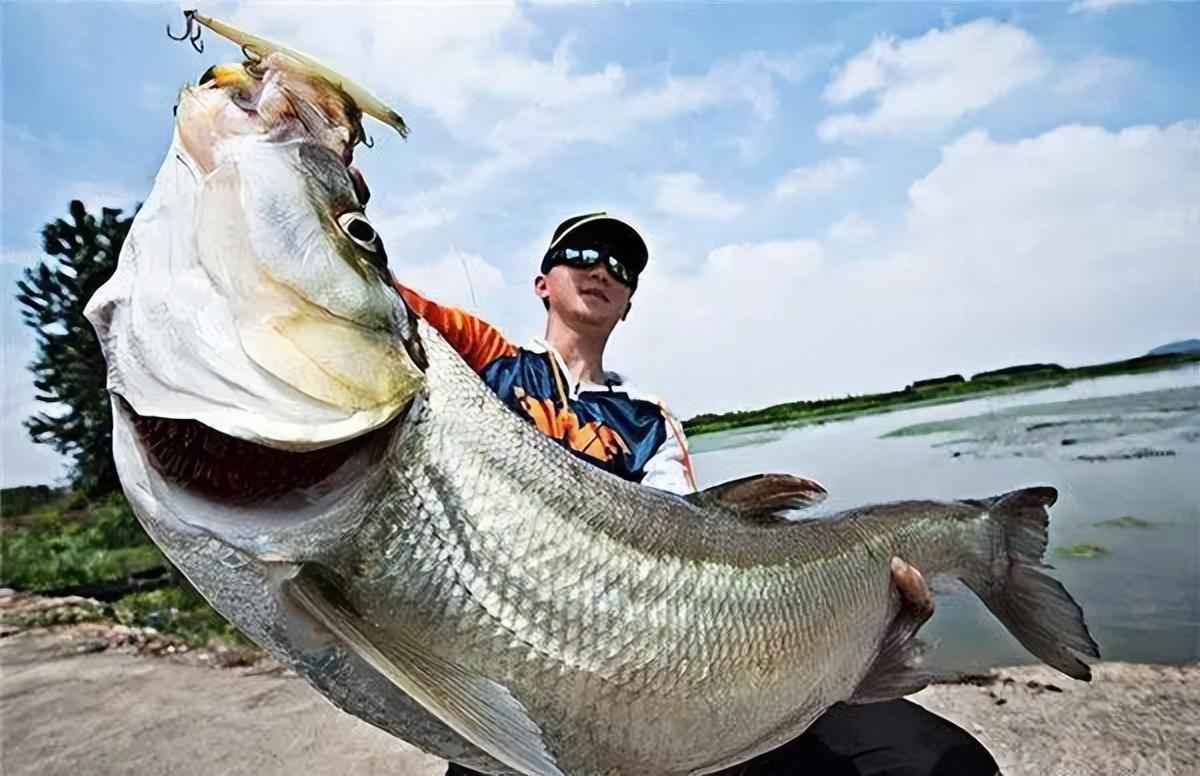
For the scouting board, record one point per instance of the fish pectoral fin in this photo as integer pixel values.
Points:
(477, 708)
(762, 498)
(896, 670)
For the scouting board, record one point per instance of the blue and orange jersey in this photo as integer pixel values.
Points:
(613, 426)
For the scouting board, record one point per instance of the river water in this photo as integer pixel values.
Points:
(1123, 449)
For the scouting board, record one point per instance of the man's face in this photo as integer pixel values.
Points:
(586, 298)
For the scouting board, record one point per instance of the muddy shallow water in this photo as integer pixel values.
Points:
(1124, 453)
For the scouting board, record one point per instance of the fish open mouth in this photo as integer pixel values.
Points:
(220, 466)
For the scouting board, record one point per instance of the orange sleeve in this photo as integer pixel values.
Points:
(476, 340)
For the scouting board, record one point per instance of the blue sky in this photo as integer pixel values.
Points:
(839, 198)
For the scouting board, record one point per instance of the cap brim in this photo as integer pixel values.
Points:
(617, 233)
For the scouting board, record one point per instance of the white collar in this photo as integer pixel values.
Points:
(541, 345)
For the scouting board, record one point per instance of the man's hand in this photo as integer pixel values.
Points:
(914, 590)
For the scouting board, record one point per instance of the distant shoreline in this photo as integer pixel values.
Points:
(940, 390)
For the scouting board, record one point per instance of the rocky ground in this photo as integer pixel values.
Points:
(1130, 719)
(101, 699)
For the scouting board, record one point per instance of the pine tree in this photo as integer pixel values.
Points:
(69, 370)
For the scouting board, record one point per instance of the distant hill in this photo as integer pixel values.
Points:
(1020, 370)
(1180, 346)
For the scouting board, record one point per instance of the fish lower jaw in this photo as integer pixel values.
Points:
(222, 467)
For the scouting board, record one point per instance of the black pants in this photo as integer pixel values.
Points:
(893, 738)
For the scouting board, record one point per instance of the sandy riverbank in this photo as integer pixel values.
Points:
(67, 710)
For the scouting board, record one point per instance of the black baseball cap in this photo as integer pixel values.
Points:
(595, 229)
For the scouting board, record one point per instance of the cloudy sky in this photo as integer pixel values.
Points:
(838, 198)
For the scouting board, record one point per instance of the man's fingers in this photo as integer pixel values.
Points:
(913, 588)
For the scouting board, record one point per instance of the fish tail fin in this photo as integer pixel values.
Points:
(1035, 608)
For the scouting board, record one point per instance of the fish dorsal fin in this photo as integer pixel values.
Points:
(475, 707)
(761, 498)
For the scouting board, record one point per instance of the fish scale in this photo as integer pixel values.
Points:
(630, 645)
(455, 577)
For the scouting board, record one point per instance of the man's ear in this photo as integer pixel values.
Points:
(542, 290)
(628, 307)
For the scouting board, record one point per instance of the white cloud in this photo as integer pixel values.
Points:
(1079, 245)
(96, 195)
(23, 462)
(544, 124)
(927, 82)
(436, 57)
(1094, 7)
(474, 66)
(623, 103)
(807, 182)
(684, 194)
(851, 228)
(1089, 234)
(1096, 74)
(459, 279)
(392, 226)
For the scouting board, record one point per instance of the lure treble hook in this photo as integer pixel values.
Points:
(191, 32)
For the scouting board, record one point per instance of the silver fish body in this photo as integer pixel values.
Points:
(641, 632)
(435, 565)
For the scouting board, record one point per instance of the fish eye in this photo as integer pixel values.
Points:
(359, 229)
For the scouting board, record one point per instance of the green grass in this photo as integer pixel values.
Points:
(915, 395)
(1082, 550)
(61, 546)
(70, 542)
(177, 611)
(24, 499)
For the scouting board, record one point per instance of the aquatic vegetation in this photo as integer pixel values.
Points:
(1069, 422)
(1126, 521)
(1144, 452)
(935, 391)
(955, 442)
(734, 439)
(1082, 550)
(932, 427)
(1150, 424)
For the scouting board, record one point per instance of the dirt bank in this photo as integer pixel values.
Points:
(1130, 719)
(67, 710)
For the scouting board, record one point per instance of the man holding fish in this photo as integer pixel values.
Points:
(558, 383)
(511, 573)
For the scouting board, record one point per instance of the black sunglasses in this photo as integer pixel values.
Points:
(582, 258)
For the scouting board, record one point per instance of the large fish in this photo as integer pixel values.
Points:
(338, 483)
